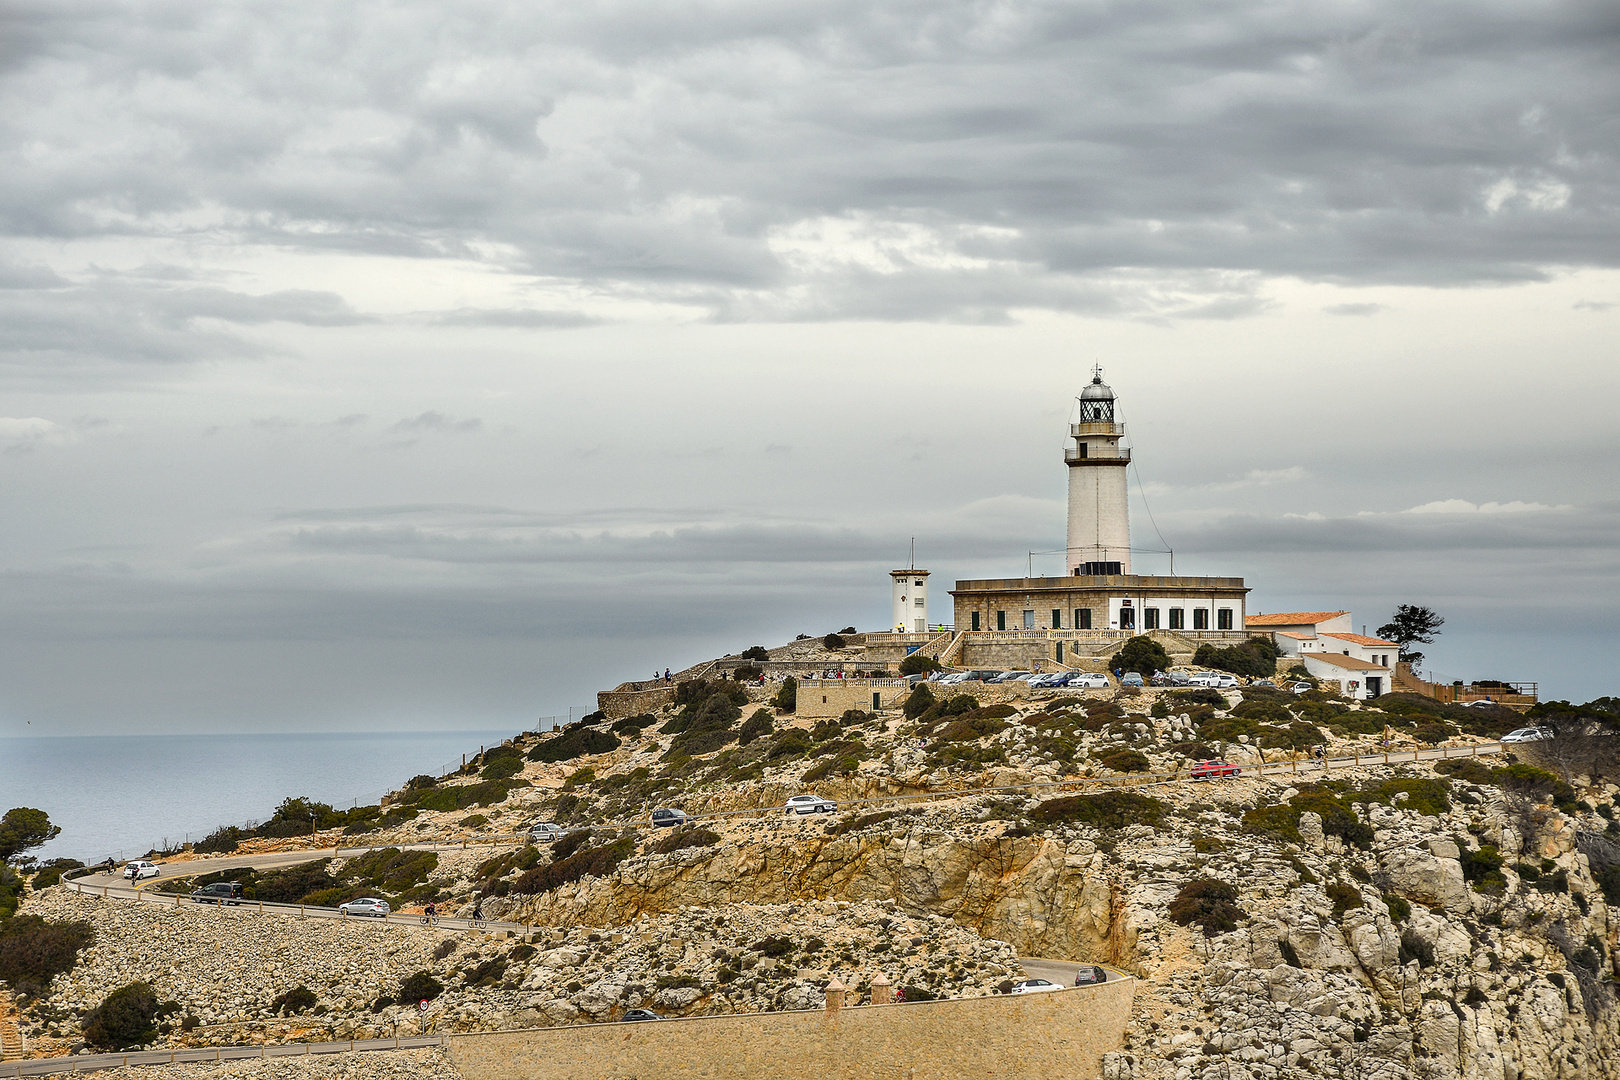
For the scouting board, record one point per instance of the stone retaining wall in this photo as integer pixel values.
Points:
(1057, 1034)
(617, 704)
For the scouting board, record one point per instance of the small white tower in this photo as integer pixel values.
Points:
(1099, 509)
(909, 589)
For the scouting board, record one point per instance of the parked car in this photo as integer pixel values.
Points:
(218, 892)
(665, 818)
(1089, 681)
(1131, 678)
(1214, 769)
(1180, 678)
(1034, 986)
(1007, 676)
(810, 804)
(1047, 682)
(136, 869)
(1089, 974)
(366, 905)
(1266, 683)
(1482, 703)
(545, 832)
(1301, 687)
(985, 675)
(640, 1014)
(1161, 679)
(1220, 680)
(1528, 734)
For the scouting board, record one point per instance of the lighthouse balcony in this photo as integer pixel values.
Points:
(1082, 452)
(1096, 428)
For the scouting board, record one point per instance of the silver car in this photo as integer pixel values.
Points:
(366, 905)
(544, 832)
(1528, 734)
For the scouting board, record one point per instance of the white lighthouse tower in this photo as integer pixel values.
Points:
(1099, 510)
(909, 593)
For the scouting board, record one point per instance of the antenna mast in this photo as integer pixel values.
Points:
(914, 553)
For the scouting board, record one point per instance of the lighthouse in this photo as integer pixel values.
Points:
(1099, 511)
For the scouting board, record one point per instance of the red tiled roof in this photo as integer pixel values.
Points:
(1338, 660)
(1302, 637)
(1363, 639)
(1292, 618)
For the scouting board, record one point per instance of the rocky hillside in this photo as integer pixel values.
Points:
(1414, 921)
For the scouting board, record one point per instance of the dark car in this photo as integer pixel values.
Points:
(640, 1014)
(219, 892)
(1088, 974)
(665, 818)
(1214, 769)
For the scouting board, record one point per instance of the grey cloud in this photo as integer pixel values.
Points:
(1353, 309)
(1378, 143)
(433, 421)
(1593, 305)
(515, 317)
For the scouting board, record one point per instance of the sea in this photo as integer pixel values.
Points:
(125, 795)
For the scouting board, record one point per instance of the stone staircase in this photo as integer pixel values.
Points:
(12, 1046)
(937, 647)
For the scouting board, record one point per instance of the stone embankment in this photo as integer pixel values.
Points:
(433, 1064)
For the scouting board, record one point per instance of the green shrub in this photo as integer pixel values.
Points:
(794, 742)
(918, 664)
(787, 697)
(1107, 809)
(631, 726)
(421, 986)
(300, 999)
(1125, 761)
(1399, 909)
(863, 821)
(1254, 658)
(919, 701)
(1140, 654)
(502, 767)
(33, 951)
(833, 642)
(573, 743)
(756, 652)
(775, 946)
(589, 862)
(755, 727)
(126, 1018)
(1483, 868)
(1208, 904)
(1431, 733)
(222, 841)
(1344, 898)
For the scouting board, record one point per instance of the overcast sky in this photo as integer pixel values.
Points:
(394, 365)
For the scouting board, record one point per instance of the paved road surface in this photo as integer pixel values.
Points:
(1061, 971)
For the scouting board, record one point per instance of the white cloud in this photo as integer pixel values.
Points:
(27, 433)
(1463, 506)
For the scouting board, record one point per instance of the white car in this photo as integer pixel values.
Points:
(1091, 681)
(810, 804)
(366, 905)
(1528, 734)
(136, 869)
(1034, 986)
(544, 832)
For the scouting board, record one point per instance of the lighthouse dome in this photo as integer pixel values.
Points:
(1097, 401)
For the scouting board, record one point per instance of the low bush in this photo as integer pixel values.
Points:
(1483, 868)
(1208, 904)
(421, 986)
(573, 743)
(34, 951)
(300, 999)
(833, 642)
(794, 742)
(589, 862)
(222, 841)
(755, 727)
(918, 664)
(756, 652)
(787, 696)
(919, 701)
(126, 1018)
(1125, 761)
(774, 946)
(1108, 810)
(1344, 898)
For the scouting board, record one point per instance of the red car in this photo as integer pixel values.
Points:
(1214, 770)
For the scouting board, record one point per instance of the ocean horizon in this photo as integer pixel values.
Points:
(124, 795)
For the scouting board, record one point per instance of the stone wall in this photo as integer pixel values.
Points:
(820, 698)
(617, 704)
(1062, 1033)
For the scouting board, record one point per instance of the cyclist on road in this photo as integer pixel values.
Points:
(478, 909)
(431, 911)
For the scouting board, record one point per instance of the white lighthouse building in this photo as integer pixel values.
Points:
(1099, 509)
(909, 592)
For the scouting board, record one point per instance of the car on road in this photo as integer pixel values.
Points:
(1482, 703)
(218, 892)
(1089, 681)
(366, 905)
(1089, 975)
(545, 832)
(666, 818)
(1131, 678)
(1033, 986)
(1214, 769)
(1528, 734)
(1301, 687)
(810, 804)
(136, 869)
(640, 1014)
(1265, 683)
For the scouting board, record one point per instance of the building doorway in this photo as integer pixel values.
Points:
(1029, 620)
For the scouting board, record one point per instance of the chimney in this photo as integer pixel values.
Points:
(882, 990)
